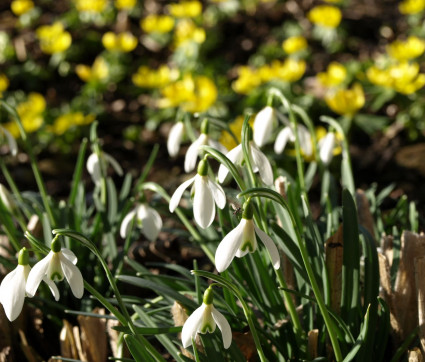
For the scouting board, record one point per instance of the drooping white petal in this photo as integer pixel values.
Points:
(327, 148)
(228, 247)
(151, 221)
(11, 141)
(37, 273)
(224, 326)
(126, 223)
(192, 325)
(260, 160)
(73, 276)
(305, 140)
(174, 139)
(218, 194)
(270, 245)
(203, 202)
(235, 156)
(263, 125)
(93, 167)
(282, 139)
(175, 199)
(12, 291)
(193, 151)
(114, 163)
(52, 286)
(69, 254)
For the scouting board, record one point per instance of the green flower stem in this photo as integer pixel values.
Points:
(263, 192)
(36, 171)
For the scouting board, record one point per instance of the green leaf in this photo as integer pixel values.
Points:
(149, 330)
(79, 166)
(139, 352)
(360, 339)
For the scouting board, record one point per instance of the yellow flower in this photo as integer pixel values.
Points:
(294, 44)
(248, 79)
(123, 42)
(411, 6)
(185, 9)
(236, 127)
(53, 38)
(4, 83)
(346, 101)
(97, 72)
(157, 23)
(68, 120)
(90, 6)
(334, 75)
(125, 4)
(193, 94)
(20, 7)
(150, 78)
(30, 113)
(325, 15)
(186, 30)
(411, 48)
(290, 70)
(403, 77)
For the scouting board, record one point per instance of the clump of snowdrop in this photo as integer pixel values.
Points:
(206, 193)
(57, 265)
(242, 240)
(258, 160)
(205, 319)
(192, 152)
(147, 219)
(175, 138)
(97, 164)
(263, 125)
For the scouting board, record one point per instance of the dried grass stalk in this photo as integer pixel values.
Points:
(67, 341)
(93, 338)
(313, 337)
(420, 288)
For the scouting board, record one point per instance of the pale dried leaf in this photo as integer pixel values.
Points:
(313, 337)
(420, 288)
(67, 341)
(93, 338)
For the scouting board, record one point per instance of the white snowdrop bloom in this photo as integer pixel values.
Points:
(206, 193)
(283, 137)
(96, 166)
(175, 138)
(7, 198)
(287, 135)
(258, 159)
(59, 263)
(242, 240)
(205, 319)
(147, 219)
(13, 147)
(326, 148)
(192, 152)
(263, 125)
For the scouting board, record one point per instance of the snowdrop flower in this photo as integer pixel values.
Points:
(242, 240)
(287, 135)
(174, 139)
(258, 159)
(59, 263)
(193, 150)
(147, 219)
(205, 192)
(263, 125)
(326, 148)
(13, 147)
(205, 319)
(96, 166)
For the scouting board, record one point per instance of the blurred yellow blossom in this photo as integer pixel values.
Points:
(185, 9)
(150, 78)
(248, 79)
(193, 94)
(325, 15)
(186, 30)
(403, 77)
(90, 6)
(68, 120)
(4, 83)
(97, 72)
(289, 70)
(125, 4)
(20, 7)
(122, 42)
(236, 127)
(157, 23)
(411, 48)
(334, 76)
(53, 38)
(411, 6)
(294, 44)
(346, 101)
